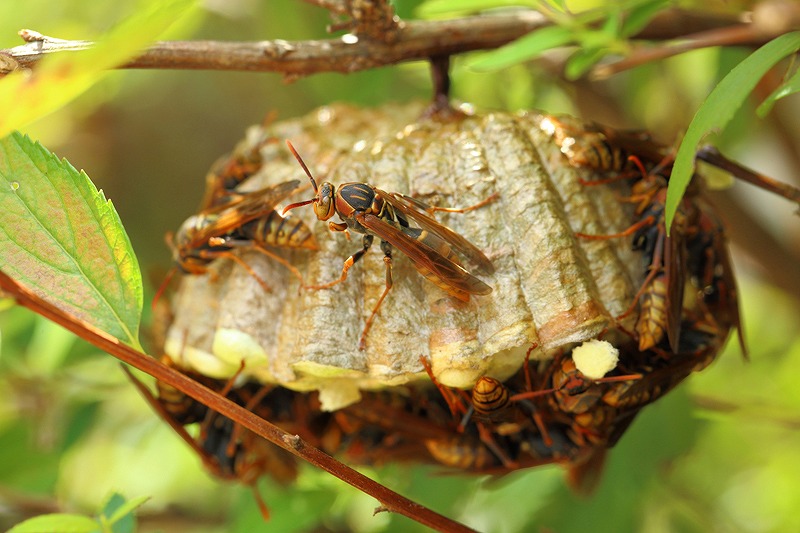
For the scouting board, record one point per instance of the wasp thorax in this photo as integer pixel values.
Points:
(187, 230)
(323, 206)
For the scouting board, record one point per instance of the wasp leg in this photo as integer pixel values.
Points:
(487, 438)
(236, 259)
(387, 260)
(453, 401)
(349, 262)
(647, 221)
(490, 199)
(282, 261)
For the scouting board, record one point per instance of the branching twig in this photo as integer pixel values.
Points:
(739, 34)
(770, 18)
(364, 49)
(388, 498)
(414, 41)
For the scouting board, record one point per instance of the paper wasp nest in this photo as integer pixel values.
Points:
(550, 288)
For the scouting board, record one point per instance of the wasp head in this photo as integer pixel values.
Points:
(324, 206)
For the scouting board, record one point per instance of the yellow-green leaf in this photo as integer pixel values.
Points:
(60, 77)
(63, 240)
(60, 522)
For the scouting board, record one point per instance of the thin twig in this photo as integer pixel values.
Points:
(769, 19)
(388, 498)
(740, 34)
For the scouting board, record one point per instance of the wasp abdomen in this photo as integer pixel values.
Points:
(489, 396)
(284, 232)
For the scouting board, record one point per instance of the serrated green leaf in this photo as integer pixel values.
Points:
(790, 86)
(63, 240)
(117, 508)
(718, 109)
(60, 522)
(61, 77)
(523, 49)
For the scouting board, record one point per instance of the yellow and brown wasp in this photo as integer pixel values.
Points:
(244, 221)
(375, 213)
(232, 169)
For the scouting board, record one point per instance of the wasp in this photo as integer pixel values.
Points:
(375, 213)
(226, 174)
(605, 149)
(245, 221)
(226, 449)
(232, 169)
(660, 296)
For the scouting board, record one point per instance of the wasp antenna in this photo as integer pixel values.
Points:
(163, 286)
(296, 204)
(169, 239)
(302, 164)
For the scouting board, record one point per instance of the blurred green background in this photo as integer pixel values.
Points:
(721, 453)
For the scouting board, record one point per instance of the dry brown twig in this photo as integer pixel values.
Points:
(378, 38)
(768, 20)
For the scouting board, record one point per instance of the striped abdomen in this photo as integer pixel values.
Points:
(489, 396)
(651, 325)
(283, 232)
(463, 453)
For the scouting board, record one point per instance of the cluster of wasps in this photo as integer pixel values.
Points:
(549, 411)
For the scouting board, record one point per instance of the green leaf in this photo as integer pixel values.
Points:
(63, 240)
(61, 77)
(117, 509)
(438, 8)
(583, 60)
(790, 86)
(719, 108)
(640, 16)
(60, 522)
(523, 49)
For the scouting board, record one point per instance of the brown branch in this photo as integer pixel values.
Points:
(388, 498)
(415, 40)
(364, 49)
(768, 20)
(740, 34)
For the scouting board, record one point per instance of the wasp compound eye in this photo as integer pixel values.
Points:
(324, 208)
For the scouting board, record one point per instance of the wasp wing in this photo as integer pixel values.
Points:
(728, 291)
(674, 272)
(415, 209)
(427, 260)
(241, 209)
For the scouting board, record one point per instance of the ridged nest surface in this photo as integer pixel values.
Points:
(551, 289)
